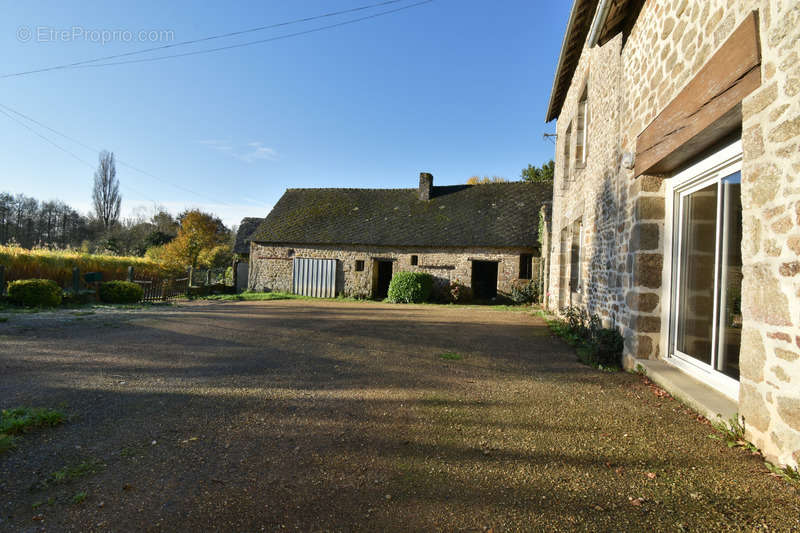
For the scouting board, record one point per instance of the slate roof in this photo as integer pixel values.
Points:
(490, 215)
(246, 229)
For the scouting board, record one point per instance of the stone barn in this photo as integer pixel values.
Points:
(241, 249)
(329, 242)
(676, 202)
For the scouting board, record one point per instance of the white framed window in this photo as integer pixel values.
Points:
(704, 269)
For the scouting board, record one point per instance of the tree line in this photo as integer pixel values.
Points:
(190, 238)
(531, 174)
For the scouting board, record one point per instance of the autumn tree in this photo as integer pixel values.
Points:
(543, 174)
(199, 236)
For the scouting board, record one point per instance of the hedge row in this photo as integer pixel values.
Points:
(47, 293)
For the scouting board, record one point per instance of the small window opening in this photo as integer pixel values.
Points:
(525, 266)
(359, 265)
(414, 260)
(567, 140)
(583, 128)
(576, 258)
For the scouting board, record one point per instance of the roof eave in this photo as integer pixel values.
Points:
(551, 112)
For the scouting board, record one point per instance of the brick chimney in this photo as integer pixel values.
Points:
(425, 186)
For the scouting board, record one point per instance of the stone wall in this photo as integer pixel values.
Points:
(271, 266)
(770, 385)
(630, 81)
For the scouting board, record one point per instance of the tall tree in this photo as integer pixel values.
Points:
(543, 174)
(105, 194)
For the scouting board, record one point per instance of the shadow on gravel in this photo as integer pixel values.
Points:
(333, 416)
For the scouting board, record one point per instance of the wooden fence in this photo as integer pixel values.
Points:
(163, 289)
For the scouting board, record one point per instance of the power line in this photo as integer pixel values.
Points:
(228, 47)
(88, 62)
(58, 146)
(46, 139)
(93, 149)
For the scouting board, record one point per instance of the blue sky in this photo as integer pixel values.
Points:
(456, 88)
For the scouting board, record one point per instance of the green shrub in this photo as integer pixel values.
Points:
(410, 287)
(606, 348)
(524, 291)
(120, 292)
(596, 345)
(34, 293)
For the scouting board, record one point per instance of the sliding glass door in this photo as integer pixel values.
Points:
(705, 315)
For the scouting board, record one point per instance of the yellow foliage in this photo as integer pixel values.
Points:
(197, 237)
(21, 263)
(477, 180)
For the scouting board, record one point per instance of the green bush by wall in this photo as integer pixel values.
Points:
(34, 293)
(120, 292)
(410, 287)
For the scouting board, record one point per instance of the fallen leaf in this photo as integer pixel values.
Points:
(651, 475)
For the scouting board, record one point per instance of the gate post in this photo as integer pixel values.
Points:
(76, 280)
(130, 273)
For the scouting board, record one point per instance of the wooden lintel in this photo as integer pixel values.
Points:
(705, 111)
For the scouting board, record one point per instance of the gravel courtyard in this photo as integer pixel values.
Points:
(341, 416)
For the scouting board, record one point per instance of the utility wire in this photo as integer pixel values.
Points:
(93, 149)
(65, 150)
(88, 62)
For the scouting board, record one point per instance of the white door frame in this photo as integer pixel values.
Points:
(712, 169)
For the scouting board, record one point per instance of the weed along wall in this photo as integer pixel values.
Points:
(680, 122)
(357, 267)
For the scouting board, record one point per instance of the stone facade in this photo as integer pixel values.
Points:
(271, 266)
(629, 80)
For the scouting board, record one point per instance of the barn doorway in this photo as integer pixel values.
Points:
(484, 280)
(383, 277)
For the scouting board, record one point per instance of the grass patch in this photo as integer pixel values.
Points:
(72, 472)
(451, 356)
(14, 422)
(7, 442)
(254, 297)
(3, 319)
(21, 419)
(79, 497)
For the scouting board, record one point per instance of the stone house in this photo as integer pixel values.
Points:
(328, 242)
(676, 203)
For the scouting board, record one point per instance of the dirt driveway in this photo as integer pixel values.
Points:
(334, 416)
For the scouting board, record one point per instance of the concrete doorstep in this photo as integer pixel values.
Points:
(705, 400)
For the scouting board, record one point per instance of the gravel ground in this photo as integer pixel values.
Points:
(332, 416)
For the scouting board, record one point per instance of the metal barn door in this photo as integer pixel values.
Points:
(314, 277)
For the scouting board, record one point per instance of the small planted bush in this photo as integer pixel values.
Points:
(34, 293)
(524, 292)
(596, 345)
(410, 287)
(120, 292)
